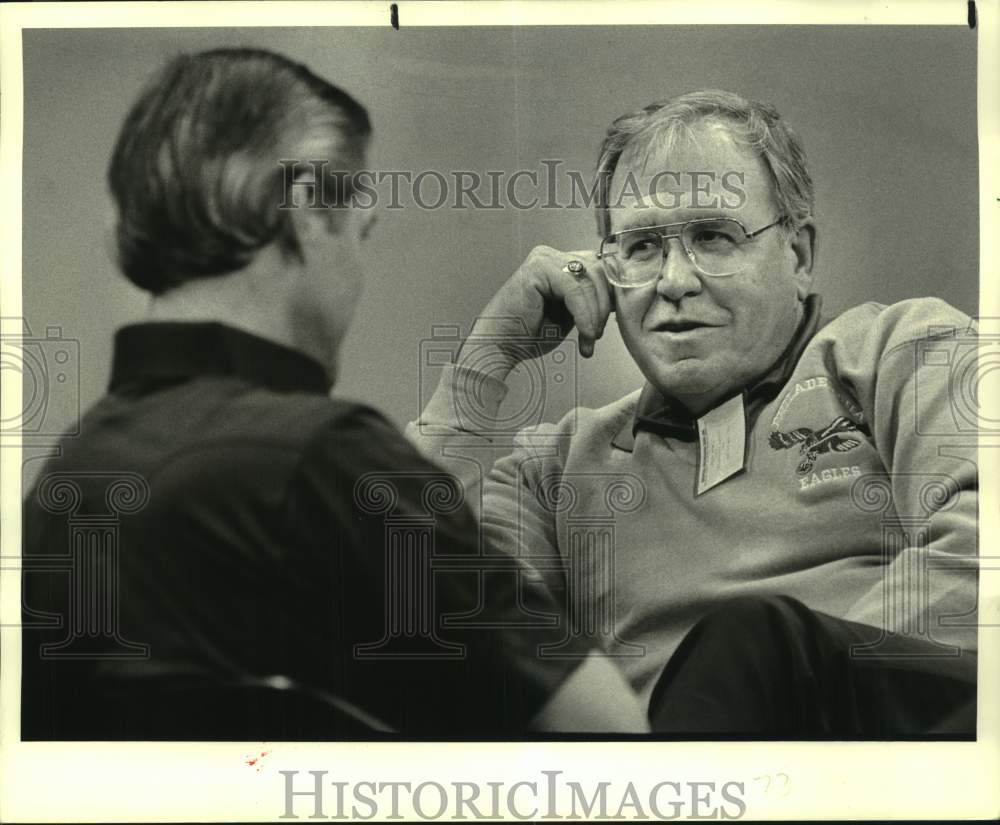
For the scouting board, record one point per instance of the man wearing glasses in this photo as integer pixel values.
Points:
(799, 559)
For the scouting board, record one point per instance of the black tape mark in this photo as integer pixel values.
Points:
(972, 14)
(394, 16)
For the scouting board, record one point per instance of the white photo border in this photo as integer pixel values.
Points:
(176, 781)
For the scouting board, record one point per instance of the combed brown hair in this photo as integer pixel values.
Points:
(196, 170)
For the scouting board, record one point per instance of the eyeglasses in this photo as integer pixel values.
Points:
(716, 246)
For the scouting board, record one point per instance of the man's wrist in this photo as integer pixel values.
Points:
(488, 355)
(466, 399)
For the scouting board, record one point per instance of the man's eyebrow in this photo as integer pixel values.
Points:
(643, 220)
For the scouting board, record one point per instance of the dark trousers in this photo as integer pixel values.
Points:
(771, 667)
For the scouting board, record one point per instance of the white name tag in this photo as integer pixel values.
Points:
(722, 443)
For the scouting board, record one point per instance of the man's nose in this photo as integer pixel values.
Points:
(678, 276)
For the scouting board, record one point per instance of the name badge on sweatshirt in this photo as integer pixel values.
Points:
(722, 443)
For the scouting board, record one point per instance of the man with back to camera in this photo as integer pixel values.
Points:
(246, 555)
(772, 580)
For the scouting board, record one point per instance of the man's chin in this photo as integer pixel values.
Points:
(684, 377)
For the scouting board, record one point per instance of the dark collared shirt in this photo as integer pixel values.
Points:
(263, 528)
(657, 413)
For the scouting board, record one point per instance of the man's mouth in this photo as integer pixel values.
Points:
(680, 326)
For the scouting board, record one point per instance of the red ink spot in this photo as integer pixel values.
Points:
(254, 760)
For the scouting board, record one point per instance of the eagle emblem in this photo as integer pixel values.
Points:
(813, 443)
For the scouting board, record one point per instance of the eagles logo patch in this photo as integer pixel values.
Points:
(812, 444)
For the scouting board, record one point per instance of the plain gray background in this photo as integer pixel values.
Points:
(887, 114)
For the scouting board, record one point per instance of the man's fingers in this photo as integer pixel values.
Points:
(581, 300)
(586, 295)
(570, 289)
(605, 295)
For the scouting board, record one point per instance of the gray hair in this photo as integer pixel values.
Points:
(755, 125)
(195, 172)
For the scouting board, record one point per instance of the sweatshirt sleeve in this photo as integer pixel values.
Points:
(910, 366)
(455, 429)
(505, 478)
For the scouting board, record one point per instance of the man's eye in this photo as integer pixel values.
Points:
(640, 248)
(713, 238)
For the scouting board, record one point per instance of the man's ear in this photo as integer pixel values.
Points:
(803, 246)
(311, 220)
(312, 226)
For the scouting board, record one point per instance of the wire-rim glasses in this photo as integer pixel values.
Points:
(716, 246)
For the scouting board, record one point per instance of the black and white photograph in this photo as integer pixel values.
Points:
(556, 390)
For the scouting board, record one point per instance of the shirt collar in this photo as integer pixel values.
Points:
(664, 416)
(171, 350)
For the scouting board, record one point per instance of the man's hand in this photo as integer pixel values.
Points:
(543, 293)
